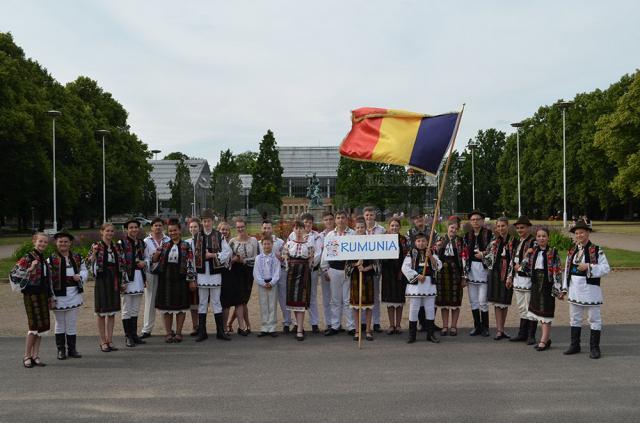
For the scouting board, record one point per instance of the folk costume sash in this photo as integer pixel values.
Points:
(59, 279)
(591, 257)
(132, 252)
(204, 243)
(475, 243)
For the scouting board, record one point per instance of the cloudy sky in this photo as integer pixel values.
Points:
(202, 76)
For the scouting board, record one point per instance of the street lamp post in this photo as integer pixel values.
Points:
(54, 114)
(518, 125)
(104, 133)
(155, 152)
(472, 146)
(564, 105)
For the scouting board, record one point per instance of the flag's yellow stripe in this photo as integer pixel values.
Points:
(396, 140)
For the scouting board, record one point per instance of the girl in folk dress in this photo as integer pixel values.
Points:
(194, 228)
(298, 255)
(32, 276)
(353, 270)
(451, 278)
(497, 261)
(393, 281)
(227, 292)
(107, 265)
(546, 283)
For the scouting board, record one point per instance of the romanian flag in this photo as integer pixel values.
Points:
(399, 137)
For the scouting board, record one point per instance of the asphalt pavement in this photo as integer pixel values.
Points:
(462, 379)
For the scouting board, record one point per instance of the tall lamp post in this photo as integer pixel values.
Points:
(472, 146)
(564, 105)
(104, 133)
(518, 125)
(54, 114)
(155, 152)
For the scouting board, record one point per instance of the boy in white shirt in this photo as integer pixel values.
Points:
(266, 273)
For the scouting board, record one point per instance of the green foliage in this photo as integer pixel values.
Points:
(267, 178)
(226, 185)
(25, 248)
(181, 190)
(246, 162)
(560, 241)
(176, 155)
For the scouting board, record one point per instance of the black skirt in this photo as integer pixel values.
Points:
(234, 287)
(107, 291)
(497, 291)
(298, 284)
(173, 293)
(449, 284)
(542, 303)
(367, 289)
(393, 283)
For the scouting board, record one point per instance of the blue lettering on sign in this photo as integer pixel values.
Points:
(367, 246)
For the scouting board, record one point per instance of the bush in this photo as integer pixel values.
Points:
(77, 247)
(560, 241)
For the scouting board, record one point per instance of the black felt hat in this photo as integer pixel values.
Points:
(580, 224)
(207, 214)
(522, 220)
(126, 224)
(63, 234)
(478, 212)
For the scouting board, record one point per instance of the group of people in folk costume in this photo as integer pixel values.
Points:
(213, 269)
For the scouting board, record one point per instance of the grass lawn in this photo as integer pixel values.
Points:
(5, 267)
(11, 240)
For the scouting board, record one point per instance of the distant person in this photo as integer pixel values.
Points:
(276, 246)
(266, 273)
(394, 283)
(32, 277)
(298, 255)
(586, 264)
(451, 278)
(194, 299)
(498, 261)
(476, 243)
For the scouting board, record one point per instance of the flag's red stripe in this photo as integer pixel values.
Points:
(362, 139)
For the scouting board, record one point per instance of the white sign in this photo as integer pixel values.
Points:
(356, 247)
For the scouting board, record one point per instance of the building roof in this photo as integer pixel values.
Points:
(299, 162)
(165, 170)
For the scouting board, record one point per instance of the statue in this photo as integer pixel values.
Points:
(313, 192)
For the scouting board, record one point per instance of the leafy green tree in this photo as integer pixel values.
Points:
(246, 162)
(176, 155)
(181, 190)
(267, 177)
(226, 185)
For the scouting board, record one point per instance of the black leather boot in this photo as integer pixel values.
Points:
(128, 339)
(413, 331)
(202, 327)
(484, 322)
(477, 328)
(594, 344)
(422, 319)
(219, 327)
(62, 355)
(574, 346)
(71, 347)
(531, 334)
(134, 331)
(522, 332)
(431, 327)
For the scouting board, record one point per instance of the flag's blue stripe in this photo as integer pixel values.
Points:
(432, 141)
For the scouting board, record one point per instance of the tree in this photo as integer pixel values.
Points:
(181, 190)
(246, 162)
(226, 185)
(267, 177)
(176, 155)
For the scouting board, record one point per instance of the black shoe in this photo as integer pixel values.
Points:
(547, 345)
(430, 332)
(60, 345)
(574, 346)
(369, 337)
(437, 328)
(522, 332)
(295, 329)
(134, 331)
(245, 332)
(341, 329)
(285, 330)
(477, 328)
(262, 334)
(194, 332)
(377, 329)
(594, 344)
(273, 334)
(352, 332)
(330, 332)
(500, 335)
(413, 329)
(218, 317)
(128, 339)
(422, 319)
(144, 335)
(531, 335)
(484, 323)
(300, 336)
(71, 347)
(315, 329)
(202, 327)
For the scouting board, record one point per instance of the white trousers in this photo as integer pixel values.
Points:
(66, 321)
(268, 306)
(376, 299)
(478, 296)
(130, 306)
(522, 301)
(340, 290)
(326, 300)
(209, 295)
(150, 302)
(429, 304)
(576, 314)
(313, 303)
(282, 298)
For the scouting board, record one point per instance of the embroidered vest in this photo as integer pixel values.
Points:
(590, 257)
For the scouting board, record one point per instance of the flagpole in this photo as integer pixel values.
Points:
(360, 310)
(442, 182)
